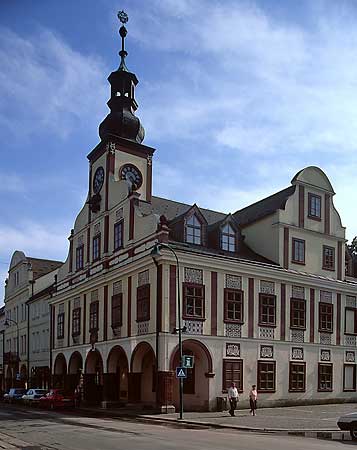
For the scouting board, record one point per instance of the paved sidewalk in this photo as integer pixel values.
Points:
(312, 418)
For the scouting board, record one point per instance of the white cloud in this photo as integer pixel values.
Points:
(46, 85)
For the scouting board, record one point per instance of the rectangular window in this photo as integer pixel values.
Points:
(266, 376)
(79, 257)
(93, 316)
(232, 373)
(349, 377)
(326, 317)
(143, 303)
(298, 313)
(117, 304)
(193, 300)
(325, 377)
(328, 258)
(60, 326)
(350, 321)
(118, 235)
(76, 322)
(233, 305)
(298, 251)
(267, 310)
(297, 377)
(314, 207)
(96, 247)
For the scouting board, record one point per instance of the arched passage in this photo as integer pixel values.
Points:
(75, 366)
(59, 371)
(116, 381)
(8, 379)
(196, 386)
(142, 380)
(23, 377)
(93, 377)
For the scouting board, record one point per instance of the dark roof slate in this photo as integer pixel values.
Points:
(263, 207)
(41, 267)
(171, 210)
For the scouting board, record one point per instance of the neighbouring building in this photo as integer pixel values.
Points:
(2, 346)
(25, 273)
(264, 292)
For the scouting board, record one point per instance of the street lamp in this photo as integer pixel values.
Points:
(6, 323)
(155, 253)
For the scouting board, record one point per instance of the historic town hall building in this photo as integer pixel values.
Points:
(264, 292)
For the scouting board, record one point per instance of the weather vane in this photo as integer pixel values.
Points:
(123, 17)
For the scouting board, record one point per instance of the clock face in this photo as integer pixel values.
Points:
(131, 174)
(98, 180)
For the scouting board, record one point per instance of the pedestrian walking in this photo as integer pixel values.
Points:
(77, 397)
(253, 395)
(233, 398)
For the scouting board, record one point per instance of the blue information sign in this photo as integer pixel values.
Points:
(181, 372)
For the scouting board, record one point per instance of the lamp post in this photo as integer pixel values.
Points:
(6, 323)
(155, 253)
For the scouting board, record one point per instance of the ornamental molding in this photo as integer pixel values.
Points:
(266, 351)
(297, 353)
(233, 350)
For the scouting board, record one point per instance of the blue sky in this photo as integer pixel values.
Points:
(236, 96)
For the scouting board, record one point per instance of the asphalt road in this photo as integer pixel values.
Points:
(35, 429)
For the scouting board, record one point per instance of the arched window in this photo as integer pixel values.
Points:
(228, 238)
(193, 230)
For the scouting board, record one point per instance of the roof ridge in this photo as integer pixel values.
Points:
(265, 198)
(190, 205)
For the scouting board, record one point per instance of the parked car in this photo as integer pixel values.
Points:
(56, 398)
(14, 395)
(348, 422)
(32, 396)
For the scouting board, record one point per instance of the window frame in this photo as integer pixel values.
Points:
(349, 308)
(324, 265)
(193, 227)
(293, 301)
(230, 236)
(187, 286)
(226, 383)
(228, 291)
(60, 325)
(261, 323)
(259, 381)
(354, 378)
(299, 364)
(142, 298)
(310, 214)
(330, 313)
(118, 226)
(96, 244)
(80, 257)
(76, 321)
(94, 316)
(293, 253)
(319, 376)
(119, 321)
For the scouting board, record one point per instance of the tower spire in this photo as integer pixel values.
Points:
(123, 17)
(121, 121)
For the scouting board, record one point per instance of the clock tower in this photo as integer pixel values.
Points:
(121, 154)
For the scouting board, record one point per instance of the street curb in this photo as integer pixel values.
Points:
(334, 435)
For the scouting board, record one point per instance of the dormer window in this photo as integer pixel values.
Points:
(228, 238)
(193, 230)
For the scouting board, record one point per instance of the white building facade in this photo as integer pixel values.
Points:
(264, 294)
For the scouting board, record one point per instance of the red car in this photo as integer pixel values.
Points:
(56, 398)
